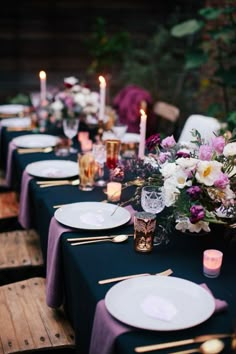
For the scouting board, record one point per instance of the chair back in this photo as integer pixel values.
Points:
(208, 127)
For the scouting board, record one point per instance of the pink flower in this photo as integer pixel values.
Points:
(222, 181)
(218, 144)
(205, 152)
(168, 142)
(164, 156)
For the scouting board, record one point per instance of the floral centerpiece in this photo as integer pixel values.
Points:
(74, 100)
(198, 180)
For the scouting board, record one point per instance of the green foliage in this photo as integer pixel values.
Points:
(186, 28)
(20, 98)
(154, 65)
(212, 54)
(105, 48)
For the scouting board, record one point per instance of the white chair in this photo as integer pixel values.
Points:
(208, 127)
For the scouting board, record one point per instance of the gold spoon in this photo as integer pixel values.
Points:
(211, 346)
(115, 239)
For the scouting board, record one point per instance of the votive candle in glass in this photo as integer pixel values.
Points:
(113, 191)
(212, 261)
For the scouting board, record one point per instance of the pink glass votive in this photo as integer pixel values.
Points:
(113, 191)
(212, 261)
(82, 136)
(86, 145)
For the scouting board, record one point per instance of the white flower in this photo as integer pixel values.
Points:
(57, 105)
(71, 80)
(200, 225)
(188, 163)
(80, 99)
(208, 172)
(230, 149)
(184, 224)
(168, 169)
(171, 191)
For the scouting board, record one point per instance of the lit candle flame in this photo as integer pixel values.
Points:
(102, 81)
(142, 112)
(42, 75)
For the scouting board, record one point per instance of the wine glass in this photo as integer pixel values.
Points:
(70, 129)
(153, 201)
(99, 153)
(112, 154)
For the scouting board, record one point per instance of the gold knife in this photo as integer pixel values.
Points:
(198, 339)
(111, 280)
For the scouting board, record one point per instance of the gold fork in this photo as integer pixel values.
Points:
(32, 150)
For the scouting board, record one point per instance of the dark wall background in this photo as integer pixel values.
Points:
(49, 35)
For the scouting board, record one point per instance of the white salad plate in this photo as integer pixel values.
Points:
(92, 215)
(53, 169)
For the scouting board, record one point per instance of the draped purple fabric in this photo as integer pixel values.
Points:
(128, 103)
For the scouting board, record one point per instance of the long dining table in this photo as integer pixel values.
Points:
(81, 267)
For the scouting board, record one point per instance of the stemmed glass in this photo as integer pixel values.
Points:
(70, 129)
(153, 201)
(99, 153)
(112, 154)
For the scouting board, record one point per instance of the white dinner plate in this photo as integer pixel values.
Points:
(130, 138)
(16, 122)
(11, 108)
(159, 303)
(53, 169)
(127, 138)
(35, 141)
(92, 215)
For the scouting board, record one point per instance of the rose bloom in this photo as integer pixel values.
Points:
(218, 144)
(230, 149)
(222, 181)
(208, 172)
(205, 152)
(153, 141)
(168, 142)
(194, 192)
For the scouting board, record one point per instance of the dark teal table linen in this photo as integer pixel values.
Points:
(84, 265)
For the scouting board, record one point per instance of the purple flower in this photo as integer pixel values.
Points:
(153, 141)
(218, 144)
(197, 213)
(168, 142)
(194, 192)
(183, 154)
(205, 152)
(222, 181)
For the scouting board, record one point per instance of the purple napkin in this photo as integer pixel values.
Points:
(106, 328)
(220, 305)
(132, 212)
(11, 148)
(24, 214)
(54, 281)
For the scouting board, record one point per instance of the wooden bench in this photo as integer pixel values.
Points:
(27, 324)
(20, 248)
